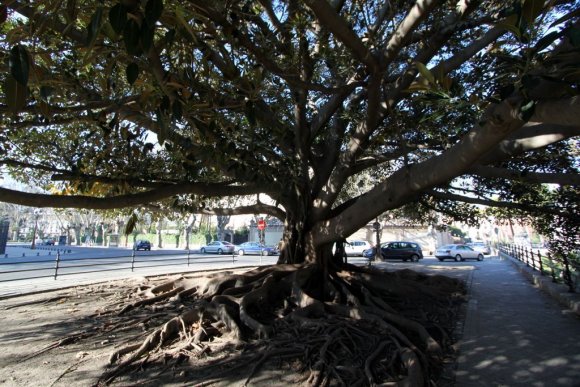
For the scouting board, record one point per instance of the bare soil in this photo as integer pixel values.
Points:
(66, 338)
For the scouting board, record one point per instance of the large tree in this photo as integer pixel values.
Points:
(438, 105)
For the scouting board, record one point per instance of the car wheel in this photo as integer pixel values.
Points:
(440, 259)
(202, 250)
(414, 258)
(480, 257)
(240, 252)
(458, 258)
(219, 251)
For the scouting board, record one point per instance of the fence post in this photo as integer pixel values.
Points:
(567, 274)
(233, 257)
(552, 272)
(540, 263)
(133, 260)
(56, 264)
(188, 252)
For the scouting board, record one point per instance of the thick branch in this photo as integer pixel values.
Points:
(122, 201)
(338, 26)
(531, 136)
(258, 208)
(525, 176)
(404, 31)
(498, 204)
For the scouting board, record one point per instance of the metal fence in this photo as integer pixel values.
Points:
(63, 264)
(560, 268)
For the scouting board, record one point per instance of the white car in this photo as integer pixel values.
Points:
(356, 247)
(458, 253)
(480, 246)
(219, 247)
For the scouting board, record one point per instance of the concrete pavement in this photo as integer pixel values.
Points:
(516, 334)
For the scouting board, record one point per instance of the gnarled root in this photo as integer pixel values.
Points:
(358, 326)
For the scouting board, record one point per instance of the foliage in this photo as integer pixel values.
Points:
(337, 113)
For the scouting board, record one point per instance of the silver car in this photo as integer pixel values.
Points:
(356, 247)
(458, 253)
(219, 247)
(482, 247)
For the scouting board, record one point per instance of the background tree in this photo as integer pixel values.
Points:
(447, 105)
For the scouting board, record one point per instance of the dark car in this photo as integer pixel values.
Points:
(142, 245)
(406, 251)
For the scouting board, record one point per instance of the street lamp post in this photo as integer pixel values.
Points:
(36, 215)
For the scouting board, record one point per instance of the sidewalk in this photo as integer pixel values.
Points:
(515, 334)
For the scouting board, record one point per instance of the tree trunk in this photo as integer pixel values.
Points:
(159, 241)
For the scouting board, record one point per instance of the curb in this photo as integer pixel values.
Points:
(556, 291)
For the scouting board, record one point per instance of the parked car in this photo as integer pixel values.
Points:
(406, 251)
(48, 242)
(142, 245)
(458, 252)
(356, 248)
(480, 246)
(255, 248)
(219, 247)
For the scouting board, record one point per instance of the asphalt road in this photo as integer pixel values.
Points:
(23, 270)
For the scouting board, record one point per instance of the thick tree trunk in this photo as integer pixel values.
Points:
(299, 247)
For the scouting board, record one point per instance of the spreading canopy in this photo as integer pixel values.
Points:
(337, 110)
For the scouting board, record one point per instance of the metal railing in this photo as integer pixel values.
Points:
(63, 265)
(560, 268)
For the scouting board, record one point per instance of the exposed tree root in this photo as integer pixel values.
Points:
(352, 325)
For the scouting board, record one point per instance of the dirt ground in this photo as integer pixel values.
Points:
(62, 338)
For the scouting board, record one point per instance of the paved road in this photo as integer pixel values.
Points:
(20, 264)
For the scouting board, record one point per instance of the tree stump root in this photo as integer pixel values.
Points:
(357, 324)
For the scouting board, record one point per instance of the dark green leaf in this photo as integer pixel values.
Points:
(19, 63)
(527, 110)
(574, 35)
(132, 72)
(94, 26)
(118, 18)
(131, 35)
(531, 9)
(131, 223)
(153, 11)
(71, 11)
(546, 41)
(177, 110)
(16, 94)
(250, 113)
(147, 33)
(3, 13)
(46, 92)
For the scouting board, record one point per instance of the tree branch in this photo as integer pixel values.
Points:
(123, 201)
(531, 136)
(525, 176)
(258, 208)
(339, 28)
(498, 204)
